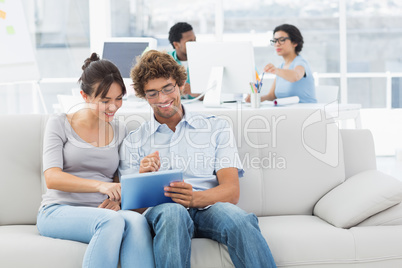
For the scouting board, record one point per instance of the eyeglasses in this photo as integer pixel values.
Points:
(280, 40)
(153, 94)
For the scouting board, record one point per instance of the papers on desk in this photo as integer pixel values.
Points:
(286, 101)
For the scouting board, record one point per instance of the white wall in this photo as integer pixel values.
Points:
(386, 126)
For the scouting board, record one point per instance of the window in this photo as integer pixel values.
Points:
(61, 34)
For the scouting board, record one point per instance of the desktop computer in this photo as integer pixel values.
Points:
(123, 53)
(221, 70)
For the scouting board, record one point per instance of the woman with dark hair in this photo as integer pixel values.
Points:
(293, 76)
(80, 161)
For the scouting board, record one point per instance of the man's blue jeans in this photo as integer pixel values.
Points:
(109, 234)
(174, 226)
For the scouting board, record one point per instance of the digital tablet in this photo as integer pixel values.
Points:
(142, 190)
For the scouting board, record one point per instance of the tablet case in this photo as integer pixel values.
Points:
(142, 190)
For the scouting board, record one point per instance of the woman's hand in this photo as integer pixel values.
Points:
(262, 98)
(150, 163)
(109, 204)
(112, 189)
(270, 68)
(248, 98)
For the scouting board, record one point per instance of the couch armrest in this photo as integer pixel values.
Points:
(358, 149)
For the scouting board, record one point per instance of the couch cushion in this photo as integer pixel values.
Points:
(358, 198)
(388, 217)
(378, 243)
(295, 241)
(209, 253)
(308, 241)
(302, 240)
(22, 246)
(21, 159)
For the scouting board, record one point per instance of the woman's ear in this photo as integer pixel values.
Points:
(84, 96)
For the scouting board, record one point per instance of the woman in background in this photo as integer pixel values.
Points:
(293, 76)
(80, 159)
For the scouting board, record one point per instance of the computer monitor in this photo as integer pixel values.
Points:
(123, 51)
(220, 69)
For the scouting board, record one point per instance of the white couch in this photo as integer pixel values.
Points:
(298, 165)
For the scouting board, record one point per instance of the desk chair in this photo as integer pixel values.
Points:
(326, 94)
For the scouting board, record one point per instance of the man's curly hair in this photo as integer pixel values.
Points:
(155, 64)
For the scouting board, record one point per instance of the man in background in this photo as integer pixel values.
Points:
(179, 35)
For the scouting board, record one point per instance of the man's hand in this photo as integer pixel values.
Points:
(109, 204)
(112, 189)
(181, 193)
(150, 163)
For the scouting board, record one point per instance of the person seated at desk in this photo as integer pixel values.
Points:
(293, 76)
(179, 35)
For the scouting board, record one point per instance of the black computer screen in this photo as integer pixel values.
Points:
(123, 54)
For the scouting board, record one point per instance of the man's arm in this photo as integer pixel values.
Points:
(228, 190)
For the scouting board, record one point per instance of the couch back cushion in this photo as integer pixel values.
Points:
(21, 160)
(359, 152)
(291, 158)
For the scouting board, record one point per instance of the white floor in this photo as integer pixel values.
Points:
(390, 165)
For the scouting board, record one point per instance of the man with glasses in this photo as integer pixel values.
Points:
(204, 148)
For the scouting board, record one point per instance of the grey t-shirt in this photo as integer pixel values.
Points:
(63, 148)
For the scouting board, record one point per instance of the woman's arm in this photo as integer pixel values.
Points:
(62, 181)
(290, 75)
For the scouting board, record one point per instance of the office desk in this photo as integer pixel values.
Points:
(140, 107)
(336, 111)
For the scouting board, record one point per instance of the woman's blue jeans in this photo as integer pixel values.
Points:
(174, 226)
(109, 234)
